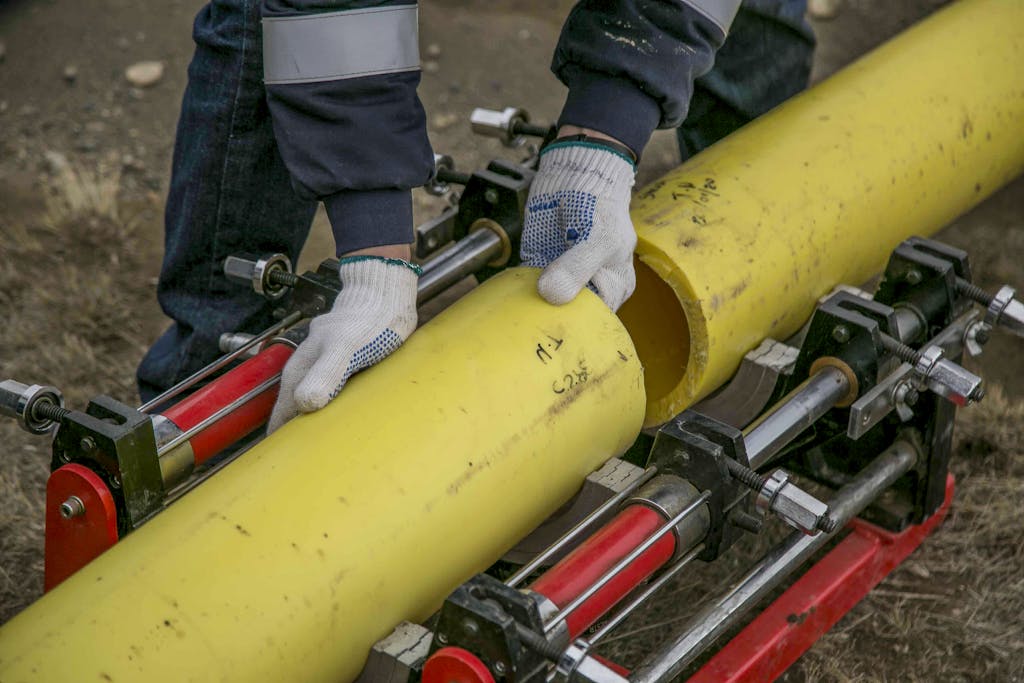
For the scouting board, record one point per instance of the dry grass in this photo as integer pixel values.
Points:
(74, 276)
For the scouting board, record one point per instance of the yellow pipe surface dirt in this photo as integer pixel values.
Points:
(293, 561)
(752, 231)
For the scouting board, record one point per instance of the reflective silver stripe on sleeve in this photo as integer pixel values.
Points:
(336, 45)
(720, 12)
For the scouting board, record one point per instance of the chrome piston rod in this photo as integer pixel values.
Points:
(668, 662)
(801, 408)
(469, 255)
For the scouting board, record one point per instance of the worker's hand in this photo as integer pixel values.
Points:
(577, 224)
(372, 316)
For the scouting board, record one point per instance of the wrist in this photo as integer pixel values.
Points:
(569, 130)
(603, 142)
(387, 251)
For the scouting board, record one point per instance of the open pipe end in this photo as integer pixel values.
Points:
(670, 337)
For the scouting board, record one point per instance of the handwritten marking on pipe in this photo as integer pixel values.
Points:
(571, 379)
(546, 348)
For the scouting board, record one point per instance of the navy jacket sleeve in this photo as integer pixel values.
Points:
(356, 142)
(630, 64)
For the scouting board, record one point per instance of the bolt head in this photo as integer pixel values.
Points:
(442, 638)
(87, 444)
(841, 333)
(72, 507)
(500, 668)
(913, 277)
(491, 196)
(471, 627)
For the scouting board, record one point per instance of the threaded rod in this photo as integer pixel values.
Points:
(745, 475)
(900, 350)
(49, 411)
(283, 277)
(973, 292)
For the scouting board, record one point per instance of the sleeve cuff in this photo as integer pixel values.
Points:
(609, 104)
(369, 218)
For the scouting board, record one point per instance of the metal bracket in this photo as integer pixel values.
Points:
(483, 616)
(119, 443)
(695, 447)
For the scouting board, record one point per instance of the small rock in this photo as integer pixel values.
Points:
(70, 73)
(132, 163)
(442, 121)
(86, 145)
(3, 51)
(95, 127)
(823, 9)
(430, 66)
(144, 74)
(434, 50)
(524, 34)
(918, 570)
(3, 106)
(123, 43)
(55, 161)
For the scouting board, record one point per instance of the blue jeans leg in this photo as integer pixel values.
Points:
(765, 60)
(229, 193)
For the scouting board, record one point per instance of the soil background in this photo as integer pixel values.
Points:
(84, 166)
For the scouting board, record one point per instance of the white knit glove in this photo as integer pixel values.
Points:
(577, 224)
(374, 313)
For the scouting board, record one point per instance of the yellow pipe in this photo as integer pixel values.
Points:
(292, 562)
(749, 233)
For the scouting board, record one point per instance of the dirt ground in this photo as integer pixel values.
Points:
(84, 164)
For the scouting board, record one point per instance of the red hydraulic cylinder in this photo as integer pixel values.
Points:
(232, 385)
(581, 568)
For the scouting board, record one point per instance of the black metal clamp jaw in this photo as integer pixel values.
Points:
(310, 293)
(711, 455)
(698, 449)
(118, 443)
(115, 441)
(502, 626)
(493, 198)
(924, 299)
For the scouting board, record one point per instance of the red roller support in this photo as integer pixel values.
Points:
(221, 392)
(779, 635)
(584, 566)
(73, 542)
(455, 665)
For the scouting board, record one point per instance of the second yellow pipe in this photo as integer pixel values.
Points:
(738, 244)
